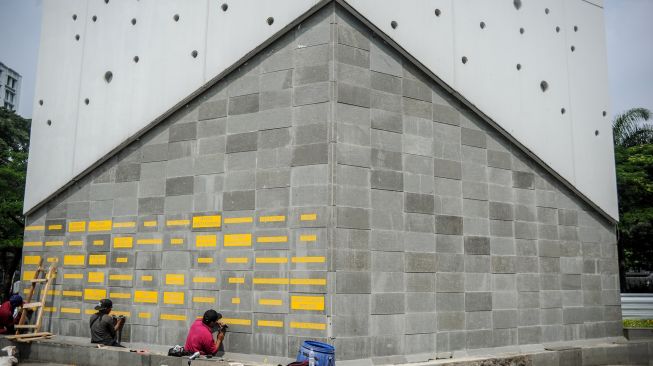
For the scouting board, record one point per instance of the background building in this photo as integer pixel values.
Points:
(395, 179)
(9, 87)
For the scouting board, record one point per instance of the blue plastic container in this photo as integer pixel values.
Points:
(325, 354)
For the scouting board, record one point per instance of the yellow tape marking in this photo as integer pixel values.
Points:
(308, 217)
(122, 260)
(238, 240)
(206, 221)
(74, 260)
(176, 241)
(32, 244)
(151, 297)
(270, 323)
(124, 224)
(32, 259)
(175, 279)
(204, 280)
(202, 241)
(237, 260)
(204, 260)
(144, 315)
(278, 218)
(73, 276)
(77, 226)
(123, 242)
(104, 225)
(149, 223)
(175, 298)
(236, 280)
(314, 326)
(52, 260)
(75, 243)
(146, 278)
(173, 317)
(97, 260)
(98, 242)
(238, 220)
(120, 295)
(270, 302)
(70, 293)
(57, 243)
(123, 313)
(204, 300)
(71, 310)
(235, 300)
(270, 281)
(49, 309)
(148, 241)
(308, 237)
(272, 239)
(271, 260)
(94, 294)
(55, 227)
(233, 321)
(308, 281)
(35, 227)
(95, 277)
(308, 259)
(177, 222)
(120, 277)
(315, 303)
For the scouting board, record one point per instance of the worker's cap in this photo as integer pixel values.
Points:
(104, 304)
(16, 300)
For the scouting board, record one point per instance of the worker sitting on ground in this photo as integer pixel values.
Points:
(7, 318)
(200, 337)
(106, 329)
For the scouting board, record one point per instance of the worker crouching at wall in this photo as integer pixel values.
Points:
(106, 329)
(200, 337)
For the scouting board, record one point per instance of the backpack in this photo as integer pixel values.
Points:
(177, 351)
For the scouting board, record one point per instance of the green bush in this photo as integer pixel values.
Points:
(638, 323)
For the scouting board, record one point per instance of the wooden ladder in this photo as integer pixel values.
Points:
(33, 330)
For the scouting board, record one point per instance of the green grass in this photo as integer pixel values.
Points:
(638, 323)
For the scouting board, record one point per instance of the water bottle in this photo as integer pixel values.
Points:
(311, 358)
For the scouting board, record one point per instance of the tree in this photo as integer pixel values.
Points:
(633, 140)
(14, 147)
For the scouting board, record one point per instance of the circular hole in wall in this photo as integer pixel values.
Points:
(518, 66)
(605, 113)
(482, 25)
(40, 101)
(557, 29)
(49, 122)
(224, 7)
(544, 85)
(596, 132)
(393, 24)
(464, 59)
(546, 11)
(521, 30)
(563, 111)
(176, 17)
(133, 21)
(573, 48)
(136, 59)
(86, 101)
(575, 28)
(437, 12)
(77, 37)
(74, 16)
(108, 76)
(194, 53)
(517, 4)
(270, 20)
(94, 18)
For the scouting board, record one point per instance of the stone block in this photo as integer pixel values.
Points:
(388, 303)
(473, 138)
(501, 211)
(387, 180)
(502, 319)
(183, 132)
(311, 94)
(451, 320)
(273, 197)
(475, 320)
(477, 245)
(353, 282)
(386, 159)
(385, 82)
(243, 104)
(352, 56)
(128, 172)
(150, 205)
(450, 282)
(310, 154)
(478, 301)
(242, 142)
(419, 203)
(350, 36)
(387, 282)
(449, 225)
(353, 95)
(239, 200)
(387, 261)
(180, 186)
(416, 89)
(523, 180)
(499, 159)
(354, 218)
(420, 262)
(212, 109)
(175, 260)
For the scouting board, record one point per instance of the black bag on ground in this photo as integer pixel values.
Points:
(177, 351)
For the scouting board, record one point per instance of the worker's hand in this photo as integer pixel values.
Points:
(121, 320)
(220, 336)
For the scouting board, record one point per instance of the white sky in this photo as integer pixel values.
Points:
(629, 33)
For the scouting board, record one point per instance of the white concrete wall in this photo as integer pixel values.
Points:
(71, 71)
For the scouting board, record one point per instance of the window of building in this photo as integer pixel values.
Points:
(11, 82)
(9, 106)
(9, 96)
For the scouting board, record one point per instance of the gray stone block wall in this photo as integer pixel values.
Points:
(329, 190)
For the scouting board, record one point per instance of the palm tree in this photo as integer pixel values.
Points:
(628, 129)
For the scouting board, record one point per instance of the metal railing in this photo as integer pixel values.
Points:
(637, 306)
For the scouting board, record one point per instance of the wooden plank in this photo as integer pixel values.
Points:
(39, 280)
(32, 305)
(25, 326)
(29, 335)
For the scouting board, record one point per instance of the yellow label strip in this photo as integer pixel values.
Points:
(77, 226)
(308, 259)
(204, 280)
(270, 281)
(177, 222)
(174, 298)
(98, 243)
(124, 225)
(238, 220)
(146, 278)
(95, 277)
(235, 300)
(120, 277)
(173, 317)
(237, 260)
(204, 241)
(204, 260)
(32, 259)
(308, 281)
(271, 260)
(313, 303)
(71, 310)
(237, 240)
(75, 243)
(73, 276)
(236, 280)
(70, 293)
(97, 259)
(144, 315)
(32, 244)
(175, 279)
(57, 243)
(176, 241)
(148, 241)
(203, 300)
(149, 223)
(308, 217)
(123, 242)
(270, 323)
(55, 227)
(234, 321)
(212, 221)
(35, 228)
(270, 302)
(104, 225)
(94, 294)
(278, 218)
(74, 260)
(308, 237)
(303, 325)
(52, 260)
(122, 260)
(151, 297)
(272, 239)
(120, 295)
